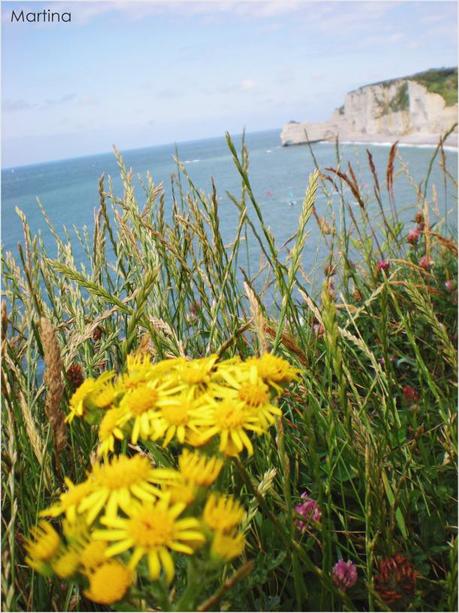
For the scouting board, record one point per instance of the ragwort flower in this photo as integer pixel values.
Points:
(69, 501)
(178, 417)
(109, 582)
(225, 547)
(117, 485)
(230, 420)
(42, 546)
(246, 386)
(153, 530)
(273, 370)
(199, 469)
(222, 513)
(110, 431)
(91, 395)
(140, 405)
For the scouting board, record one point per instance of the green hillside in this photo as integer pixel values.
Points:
(441, 81)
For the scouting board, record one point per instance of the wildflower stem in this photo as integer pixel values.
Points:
(240, 574)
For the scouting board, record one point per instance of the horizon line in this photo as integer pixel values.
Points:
(122, 150)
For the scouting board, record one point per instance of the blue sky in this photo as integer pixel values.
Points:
(145, 73)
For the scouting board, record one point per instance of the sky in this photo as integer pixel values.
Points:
(137, 74)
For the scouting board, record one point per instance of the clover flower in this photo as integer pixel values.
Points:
(344, 574)
(382, 266)
(425, 263)
(413, 236)
(410, 393)
(309, 511)
(396, 579)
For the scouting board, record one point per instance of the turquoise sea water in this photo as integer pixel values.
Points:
(68, 189)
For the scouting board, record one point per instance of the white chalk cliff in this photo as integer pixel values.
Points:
(400, 109)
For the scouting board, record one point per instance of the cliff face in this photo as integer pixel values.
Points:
(401, 109)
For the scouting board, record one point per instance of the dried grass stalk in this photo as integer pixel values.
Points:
(53, 384)
(257, 318)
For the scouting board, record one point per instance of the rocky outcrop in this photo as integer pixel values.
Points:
(402, 109)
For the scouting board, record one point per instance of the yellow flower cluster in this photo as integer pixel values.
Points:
(127, 511)
(130, 517)
(191, 402)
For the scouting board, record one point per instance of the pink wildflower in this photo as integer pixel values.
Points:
(413, 236)
(309, 510)
(383, 265)
(425, 263)
(319, 329)
(450, 285)
(410, 394)
(344, 574)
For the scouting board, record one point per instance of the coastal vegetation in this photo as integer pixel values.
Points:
(399, 102)
(442, 81)
(301, 447)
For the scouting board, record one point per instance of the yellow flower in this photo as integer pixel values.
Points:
(86, 396)
(175, 485)
(199, 469)
(75, 531)
(69, 501)
(109, 582)
(110, 431)
(231, 419)
(182, 492)
(117, 484)
(246, 386)
(66, 564)
(42, 546)
(225, 547)
(140, 370)
(197, 373)
(222, 513)
(177, 417)
(139, 406)
(93, 555)
(274, 370)
(195, 438)
(106, 395)
(153, 530)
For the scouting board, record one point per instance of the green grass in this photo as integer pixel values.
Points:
(382, 468)
(399, 102)
(442, 81)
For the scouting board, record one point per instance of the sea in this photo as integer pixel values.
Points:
(68, 189)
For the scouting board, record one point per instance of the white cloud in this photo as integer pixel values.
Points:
(247, 85)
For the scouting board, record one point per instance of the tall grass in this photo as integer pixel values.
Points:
(380, 458)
